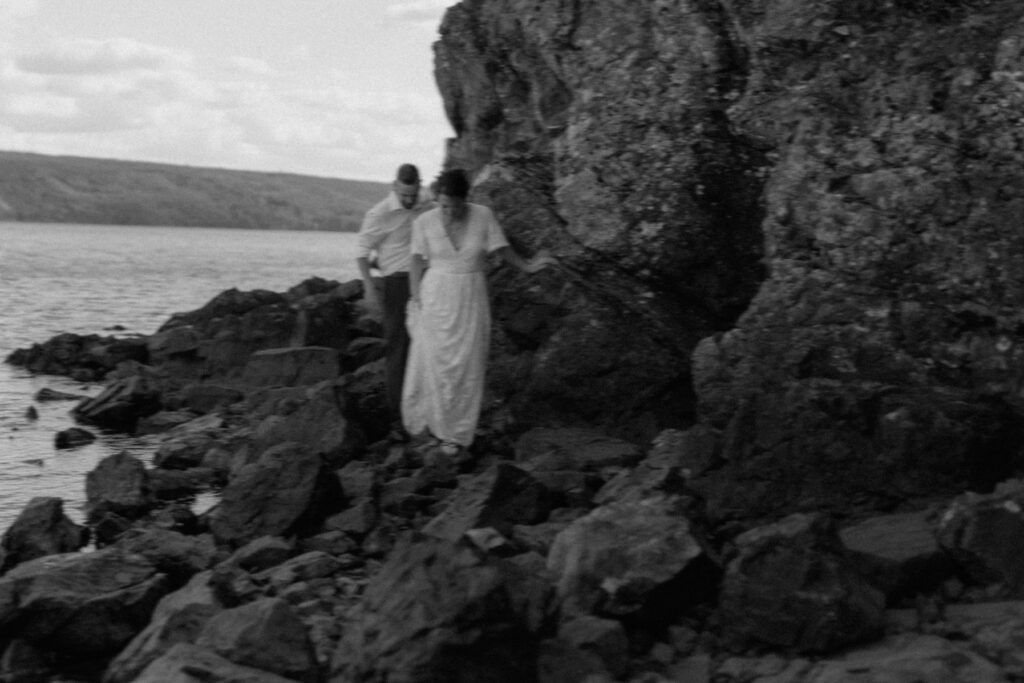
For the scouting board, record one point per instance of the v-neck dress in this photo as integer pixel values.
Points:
(444, 375)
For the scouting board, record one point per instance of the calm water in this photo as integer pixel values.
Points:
(87, 279)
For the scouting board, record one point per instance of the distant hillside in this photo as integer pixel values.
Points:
(51, 189)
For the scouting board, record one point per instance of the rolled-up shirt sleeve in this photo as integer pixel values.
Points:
(370, 234)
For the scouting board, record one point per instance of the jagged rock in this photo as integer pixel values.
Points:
(180, 484)
(501, 497)
(898, 553)
(47, 394)
(291, 367)
(31, 413)
(206, 397)
(790, 586)
(118, 484)
(163, 421)
(122, 403)
(73, 438)
(577, 450)
(178, 618)
(263, 553)
(265, 634)
(983, 532)
(87, 604)
(604, 637)
(314, 416)
(561, 662)
(359, 481)
(310, 565)
(186, 444)
(288, 489)
(637, 559)
(86, 357)
(423, 616)
(25, 663)
(176, 555)
(184, 663)
(40, 529)
(693, 451)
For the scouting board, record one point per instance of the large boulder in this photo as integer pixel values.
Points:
(118, 484)
(40, 529)
(287, 490)
(791, 586)
(264, 634)
(80, 604)
(500, 498)
(440, 611)
(122, 403)
(983, 534)
(289, 367)
(179, 617)
(640, 560)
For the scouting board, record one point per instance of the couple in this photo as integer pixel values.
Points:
(432, 255)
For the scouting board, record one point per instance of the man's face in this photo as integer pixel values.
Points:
(407, 194)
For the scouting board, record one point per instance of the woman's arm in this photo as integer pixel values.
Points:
(416, 267)
(540, 260)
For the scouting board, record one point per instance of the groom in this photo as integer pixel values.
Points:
(385, 234)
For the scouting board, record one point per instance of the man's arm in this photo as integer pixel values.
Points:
(370, 293)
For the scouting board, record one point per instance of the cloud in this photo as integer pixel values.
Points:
(420, 12)
(100, 56)
(125, 99)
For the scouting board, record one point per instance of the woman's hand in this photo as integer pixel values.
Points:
(541, 260)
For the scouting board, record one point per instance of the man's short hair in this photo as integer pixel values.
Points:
(408, 175)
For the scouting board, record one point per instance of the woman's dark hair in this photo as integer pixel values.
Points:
(454, 183)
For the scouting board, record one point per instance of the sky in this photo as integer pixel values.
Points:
(335, 88)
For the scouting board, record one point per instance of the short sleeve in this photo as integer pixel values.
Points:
(495, 236)
(418, 244)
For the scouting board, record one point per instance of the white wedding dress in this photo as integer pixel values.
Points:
(444, 375)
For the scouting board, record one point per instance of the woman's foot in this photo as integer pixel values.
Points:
(449, 448)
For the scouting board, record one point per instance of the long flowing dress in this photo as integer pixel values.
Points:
(444, 375)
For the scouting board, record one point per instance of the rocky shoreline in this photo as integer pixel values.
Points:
(549, 553)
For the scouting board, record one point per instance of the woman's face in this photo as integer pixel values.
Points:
(452, 208)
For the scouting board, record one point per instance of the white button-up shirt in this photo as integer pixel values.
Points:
(387, 230)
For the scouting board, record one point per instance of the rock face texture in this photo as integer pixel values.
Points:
(805, 213)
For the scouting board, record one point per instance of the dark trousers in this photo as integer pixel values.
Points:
(396, 340)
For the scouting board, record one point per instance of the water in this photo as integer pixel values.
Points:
(88, 279)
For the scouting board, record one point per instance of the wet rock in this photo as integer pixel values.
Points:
(73, 438)
(420, 618)
(31, 413)
(641, 560)
(290, 367)
(87, 604)
(122, 403)
(315, 564)
(40, 529)
(501, 497)
(118, 484)
(561, 662)
(287, 490)
(47, 394)
(791, 586)
(983, 534)
(265, 634)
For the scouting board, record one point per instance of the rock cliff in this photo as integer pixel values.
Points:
(808, 214)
